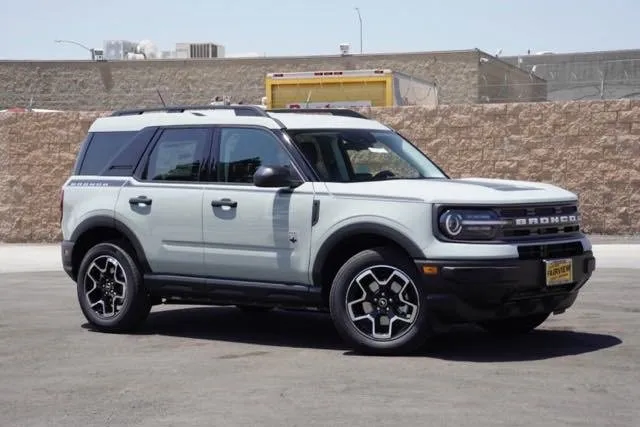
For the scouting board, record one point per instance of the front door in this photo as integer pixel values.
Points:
(163, 206)
(252, 233)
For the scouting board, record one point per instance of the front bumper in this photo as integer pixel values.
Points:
(471, 291)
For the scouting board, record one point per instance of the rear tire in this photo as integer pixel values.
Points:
(377, 304)
(514, 325)
(110, 289)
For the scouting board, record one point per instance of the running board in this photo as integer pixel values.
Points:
(199, 290)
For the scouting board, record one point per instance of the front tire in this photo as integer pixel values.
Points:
(515, 325)
(377, 304)
(110, 289)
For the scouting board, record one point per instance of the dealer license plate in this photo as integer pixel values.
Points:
(559, 271)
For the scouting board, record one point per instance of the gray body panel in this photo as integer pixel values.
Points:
(267, 237)
(182, 234)
(170, 230)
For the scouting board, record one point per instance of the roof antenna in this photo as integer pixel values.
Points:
(161, 99)
(308, 99)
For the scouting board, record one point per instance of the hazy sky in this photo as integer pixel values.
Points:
(303, 27)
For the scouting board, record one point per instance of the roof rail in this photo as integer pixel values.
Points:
(240, 110)
(345, 112)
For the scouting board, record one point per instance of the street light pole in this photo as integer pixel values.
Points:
(360, 19)
(93, 56)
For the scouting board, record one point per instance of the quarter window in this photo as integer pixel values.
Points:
(101, 150)
(177, 156)
(244, 150)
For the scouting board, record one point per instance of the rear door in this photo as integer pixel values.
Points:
(162, 204)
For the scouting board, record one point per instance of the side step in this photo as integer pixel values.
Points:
(201, 290)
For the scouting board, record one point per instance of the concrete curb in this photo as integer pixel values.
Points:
(23, 258)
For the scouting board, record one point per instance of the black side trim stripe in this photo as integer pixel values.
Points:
(229, 291)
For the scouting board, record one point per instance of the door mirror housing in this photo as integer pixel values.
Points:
(274, 176)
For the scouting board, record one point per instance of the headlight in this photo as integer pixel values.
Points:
(463, 224)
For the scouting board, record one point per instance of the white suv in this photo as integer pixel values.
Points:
(235, 205)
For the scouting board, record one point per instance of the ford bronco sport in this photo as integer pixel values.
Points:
(325, 210)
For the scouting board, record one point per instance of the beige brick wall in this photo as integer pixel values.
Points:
(37, 152)
(592, 148)
(85, 85)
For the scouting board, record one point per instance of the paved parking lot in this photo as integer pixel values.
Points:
(217, 366)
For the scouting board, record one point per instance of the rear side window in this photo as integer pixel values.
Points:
(178, 155)
(103, 146)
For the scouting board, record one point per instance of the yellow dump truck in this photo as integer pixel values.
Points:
(347, 89)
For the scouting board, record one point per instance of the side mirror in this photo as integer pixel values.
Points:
(274, 176)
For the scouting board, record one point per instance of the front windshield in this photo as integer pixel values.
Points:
(363, 155)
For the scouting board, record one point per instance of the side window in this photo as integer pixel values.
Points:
(322, 151)
(103, 146)
(177, 156)
(244, 150)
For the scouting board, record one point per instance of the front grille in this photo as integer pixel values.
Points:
(538, 211)
(552, 250)
(539, 221)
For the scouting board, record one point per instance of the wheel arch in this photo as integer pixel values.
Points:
(350, 239)
(101, 228)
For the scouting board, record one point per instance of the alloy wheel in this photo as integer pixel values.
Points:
(382, 302)
(105, 286)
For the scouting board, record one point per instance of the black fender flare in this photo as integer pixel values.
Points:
(104, 221)
(347, 231)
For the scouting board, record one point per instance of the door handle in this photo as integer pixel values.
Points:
(224, 202)
(140, 200)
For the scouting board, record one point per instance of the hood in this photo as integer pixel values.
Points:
(459, 191)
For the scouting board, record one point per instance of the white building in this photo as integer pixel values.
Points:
(115, 50)
(199, 50)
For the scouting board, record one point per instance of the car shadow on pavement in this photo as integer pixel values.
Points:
(312, 330)
(472, 344)
(276, 328)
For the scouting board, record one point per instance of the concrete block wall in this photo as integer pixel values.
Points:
(591, 148)
(86, 85)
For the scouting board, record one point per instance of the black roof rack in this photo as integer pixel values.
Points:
(345, 112)
(240, 110)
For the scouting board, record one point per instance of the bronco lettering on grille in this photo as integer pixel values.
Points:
(547, 220)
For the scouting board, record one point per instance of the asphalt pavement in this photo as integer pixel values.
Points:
(210, 366)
